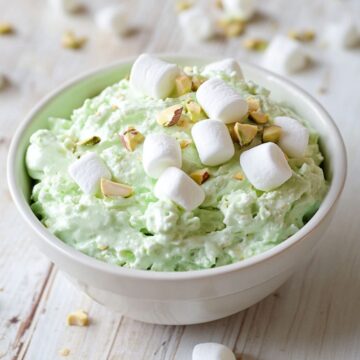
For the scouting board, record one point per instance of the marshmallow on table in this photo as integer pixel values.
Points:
(265, 166)
(294, 137)
(66, 6)
(244, 9)
(212, 351)
(177, 186)
(342, 35)
(213, 142)
(285, 55)
(153, 77)
(220, 101)
(229, 66)
(197, 24)
(88, 171)
(160, 151)
(113, 19)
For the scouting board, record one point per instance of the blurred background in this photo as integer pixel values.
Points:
(44, 43)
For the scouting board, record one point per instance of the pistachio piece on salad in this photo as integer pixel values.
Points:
(196, 81)
(113, 189)
(194, 111)
(239, 176)
(170, 116)
(131, 138)
(182, 5)
(200, 176)
(232, 27)
(183, 85)
(259, 117)
(184, 143)
(93, 140)
(245, 133)
(77, 318)
(253, 104)
(271, 133)
(303, 36)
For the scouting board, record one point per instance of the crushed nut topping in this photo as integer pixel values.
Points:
(259, 117)
(197, 80)
(183, 85)
(303, 36)
(131, 138)
(239, 176)
(245, 133)
(194, 111)
(71, 41)
(64, 352)
(170, 116)
(200, 176)
(113, 189)
(232, 27)
(271, 133)
(89, 141)
(255, 44)
(184, 143)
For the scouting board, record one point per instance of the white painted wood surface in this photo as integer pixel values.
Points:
(315, 315)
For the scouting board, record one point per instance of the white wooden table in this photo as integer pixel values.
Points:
(315, 315)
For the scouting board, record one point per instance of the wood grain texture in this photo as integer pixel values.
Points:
(315, 315)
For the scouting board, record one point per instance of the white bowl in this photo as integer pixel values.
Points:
(180, 297)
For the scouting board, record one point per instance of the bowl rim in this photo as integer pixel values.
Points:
(334, 191)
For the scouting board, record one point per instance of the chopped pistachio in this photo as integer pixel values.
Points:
(253, 104)
(245, 133)
(102, 247)
(64, 352)
(255, 44)
(78, 318)
(200, 176)
(232, 132)
(197, 80)
(184, 121)
(183, 85)
(130, 138)
(6, 28)
(184, 143)
(271, 133)
(93, 140)
(303, 36)
(113, 189)
(259, 117)
(194, 111)
(170, 116)
(232, 27)
(182, 5)
(239, 176)
(71, 41)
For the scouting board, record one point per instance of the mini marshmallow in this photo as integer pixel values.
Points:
(285, 55)
(113, 19)
(66, 6)
(153, 77)
(342, 35)
(294, 136)
(244, 9)
(265, 166)
(88, 171)
(212, 351)
(160, 151)
(197, 24)
(228, 66)
(220, 101)
(177, 186)
(213, 142)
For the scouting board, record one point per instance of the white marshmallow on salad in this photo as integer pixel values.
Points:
(160, 151)
(197, 24)
(113, 19)
(265, 166)
(213, 142)
(243, 9)
(66, 6)
(220, 101)
(212, 351)
(228, 66)
(153, 77)
(88, 171)
(175, 185)
(285, 55)
(294, 136)
(342, 34)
